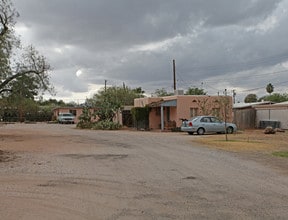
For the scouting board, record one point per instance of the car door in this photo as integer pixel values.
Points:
(217, 125)
(206, 124)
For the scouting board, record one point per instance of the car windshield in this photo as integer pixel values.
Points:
(67, 114)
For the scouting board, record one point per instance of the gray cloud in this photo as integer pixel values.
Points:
(216, 44)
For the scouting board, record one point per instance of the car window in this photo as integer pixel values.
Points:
(205, 119)
(215, 120)
(194, 118)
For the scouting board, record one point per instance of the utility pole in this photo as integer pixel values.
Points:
(234, 95)
(105, 85)
(225, 113)
(174, 75)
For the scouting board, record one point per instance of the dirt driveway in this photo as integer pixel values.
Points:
(51, 171)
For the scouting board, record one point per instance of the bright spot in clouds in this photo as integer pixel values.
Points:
(79, 73)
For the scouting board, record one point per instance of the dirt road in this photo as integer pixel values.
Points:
(51, 171)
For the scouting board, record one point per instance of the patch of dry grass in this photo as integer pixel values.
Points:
(249, 141)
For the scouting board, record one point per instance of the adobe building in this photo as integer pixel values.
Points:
(76, 111)
(122, 117)
(167, 112)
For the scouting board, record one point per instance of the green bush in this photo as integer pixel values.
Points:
(85, 125)
(106, 125)
(85, 119)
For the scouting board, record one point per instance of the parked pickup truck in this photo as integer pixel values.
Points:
(66, 118)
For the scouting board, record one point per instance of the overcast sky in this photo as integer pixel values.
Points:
(220, 44)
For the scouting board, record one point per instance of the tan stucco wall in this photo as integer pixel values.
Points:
(154, 119)
(142, 102)
(204, 104)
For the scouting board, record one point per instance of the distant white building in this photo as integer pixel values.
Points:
(261, 115)
(245, 114)
(275, 114)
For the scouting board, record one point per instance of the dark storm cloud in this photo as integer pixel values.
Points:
(118, 23)
(135, 41)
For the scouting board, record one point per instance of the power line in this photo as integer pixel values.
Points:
(263, 87)
(241, 65)
(234, 77)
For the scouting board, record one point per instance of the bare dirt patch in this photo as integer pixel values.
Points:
(64, 173)
(6, 156)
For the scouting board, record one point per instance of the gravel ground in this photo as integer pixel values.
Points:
(51, 171)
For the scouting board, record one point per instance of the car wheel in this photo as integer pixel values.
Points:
(200, 131)
(190, 133)
(229, 130)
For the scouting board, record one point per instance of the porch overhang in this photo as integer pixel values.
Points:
(161, 104)
(170, 103)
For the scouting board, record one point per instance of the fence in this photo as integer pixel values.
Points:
(245, 118)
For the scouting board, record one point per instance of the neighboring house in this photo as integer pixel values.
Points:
(275, 115)
(123, 117)
(76, 111)
(261, 115)
(167, 112)
(245, 114)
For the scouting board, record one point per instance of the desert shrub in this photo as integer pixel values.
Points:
(85, 119)
(84, 125)
(106, 125)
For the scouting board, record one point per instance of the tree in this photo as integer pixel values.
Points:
(115, 94)
(138, 92)
(85, 118)
(162, 92)
(108, 100)
(269, 88)
(204, 105)
(195, 91)
(28, 66)
(52, 102)
(275, 97)
(250, 98)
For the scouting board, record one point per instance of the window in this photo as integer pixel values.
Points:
(73, 112)
(193, 112)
